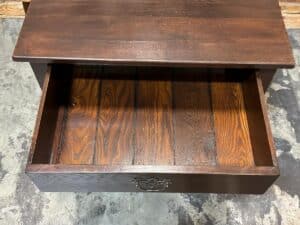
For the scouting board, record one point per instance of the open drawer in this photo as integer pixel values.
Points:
(152, 129)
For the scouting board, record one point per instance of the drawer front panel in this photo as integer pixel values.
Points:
(152, 183)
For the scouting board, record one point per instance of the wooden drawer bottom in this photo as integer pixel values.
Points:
(152, 129)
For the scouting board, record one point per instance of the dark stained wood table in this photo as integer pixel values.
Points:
(149, 95)
(172, 32)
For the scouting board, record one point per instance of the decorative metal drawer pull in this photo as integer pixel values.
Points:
(151, 183)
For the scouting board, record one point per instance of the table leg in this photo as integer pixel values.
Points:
(25, 5)
(39, 70)
(266, 77)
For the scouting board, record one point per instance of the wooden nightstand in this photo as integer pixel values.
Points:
(153, 95)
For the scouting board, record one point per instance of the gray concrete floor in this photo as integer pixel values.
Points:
(22, 203)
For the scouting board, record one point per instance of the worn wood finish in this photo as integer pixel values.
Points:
(154, 126)
(261, 137)
(193, 122)
(183, 178)
(145, 123)
(290, 11)
(231, 125)
(11, 9)
(151, 32)
(49, 119)
(77, 142)
(114, 137)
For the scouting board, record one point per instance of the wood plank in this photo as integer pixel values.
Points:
(152, 29)
(115, 141)
(78, 134)
(152, 32)
(231, 127)
(291, 14)
(193, 123)
(154, 126)
(258, 122)
(42, 137)
(11, 10)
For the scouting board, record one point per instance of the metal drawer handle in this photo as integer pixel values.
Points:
(151, 183)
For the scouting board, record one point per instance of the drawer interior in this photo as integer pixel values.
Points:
(101, 115)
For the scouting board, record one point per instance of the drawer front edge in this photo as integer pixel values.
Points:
(115, 182)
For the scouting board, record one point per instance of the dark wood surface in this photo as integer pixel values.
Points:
(39, 70)
(254, 93)
(154, 118)
(76, 178)
(225, 33)
(133, 122)
(193, 124)
(80, 120)
(115, 119)
(266, 77)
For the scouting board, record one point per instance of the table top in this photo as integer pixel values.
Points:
(227, 33)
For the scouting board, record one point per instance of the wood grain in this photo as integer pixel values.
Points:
(154, 114)
(115, 133)
(151, 32)
(159, 117)
(78, 135)
(231, 127)
(259, 129)
(154, 126)
(11, 9)
(193, 123)
(290, 11)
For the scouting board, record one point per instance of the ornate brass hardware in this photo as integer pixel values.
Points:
(151, 183)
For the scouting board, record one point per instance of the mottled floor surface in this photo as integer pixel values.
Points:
(22, 203)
